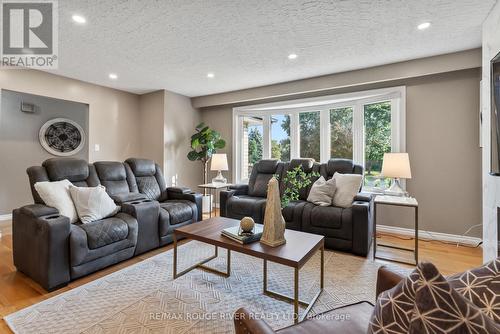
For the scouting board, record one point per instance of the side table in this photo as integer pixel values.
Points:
(212, 191)
(401, 202)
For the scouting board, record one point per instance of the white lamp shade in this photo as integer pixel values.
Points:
(219, 162)
(396, 165)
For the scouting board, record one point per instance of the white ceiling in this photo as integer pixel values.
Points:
(157, 44)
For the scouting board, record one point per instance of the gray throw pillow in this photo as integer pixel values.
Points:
(92, 203)
(322, 192)
(348, 185)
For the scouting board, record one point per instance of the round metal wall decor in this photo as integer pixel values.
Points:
(62, 137)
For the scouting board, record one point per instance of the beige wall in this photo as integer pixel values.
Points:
(113, 114)
(491, 184)
(152, 109)
(442, 140)
(180, 121)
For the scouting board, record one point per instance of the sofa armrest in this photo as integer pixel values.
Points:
(179, 190)
(225, 195)
(363, 197)
(127, 197)
(362, 227)
(246, 322)
(40, 238)
(387, 279)
(38, 210)
(188, 195)
(240, 189)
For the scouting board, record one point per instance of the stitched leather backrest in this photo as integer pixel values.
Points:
(149, 178)
(262, 172)
(342, 166)
(77, 171)
(116, 177)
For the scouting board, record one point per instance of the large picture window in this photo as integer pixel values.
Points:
(359, 126)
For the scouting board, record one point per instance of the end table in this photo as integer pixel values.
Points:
(213, 187)
(401, 202)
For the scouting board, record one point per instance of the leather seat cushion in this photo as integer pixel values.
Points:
(179, 211)
(326, 216)
(246, 205)
(346, 320)
(105, 231)
(293, 211)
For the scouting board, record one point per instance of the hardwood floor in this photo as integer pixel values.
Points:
(18, 291)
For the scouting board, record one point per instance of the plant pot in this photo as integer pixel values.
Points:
(207, 204)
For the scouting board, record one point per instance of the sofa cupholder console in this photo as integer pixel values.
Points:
(147, 213)
(51, 217)
(141, 202)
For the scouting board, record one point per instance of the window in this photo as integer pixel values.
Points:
(310, 135)
(280, 137)
(359, 126)
(377, 117)
(252, 141)
(341, 135)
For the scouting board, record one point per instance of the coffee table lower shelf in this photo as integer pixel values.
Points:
(293, 300)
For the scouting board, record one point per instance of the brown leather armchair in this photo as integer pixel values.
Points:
(348, 319)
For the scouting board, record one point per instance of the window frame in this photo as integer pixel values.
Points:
(323, 104)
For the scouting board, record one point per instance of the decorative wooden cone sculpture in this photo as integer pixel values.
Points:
(274, 224)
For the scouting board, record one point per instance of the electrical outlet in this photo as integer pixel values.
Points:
(97, 147)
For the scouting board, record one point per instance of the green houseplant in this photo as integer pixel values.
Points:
(204, 143)
(295, 180)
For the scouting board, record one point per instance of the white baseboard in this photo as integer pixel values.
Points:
(428, 235)
(6, 217)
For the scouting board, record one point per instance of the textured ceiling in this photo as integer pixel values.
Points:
(157, 44)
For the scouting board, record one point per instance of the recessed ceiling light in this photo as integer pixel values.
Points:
(210, 75)
(113, 76)
(423, 26)
(79, 19)
(292, 56)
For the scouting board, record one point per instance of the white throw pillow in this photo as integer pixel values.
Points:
(322, 192)
(348, 185)
(56, 194)
(92, 203)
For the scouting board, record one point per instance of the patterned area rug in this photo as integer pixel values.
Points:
(143, 298)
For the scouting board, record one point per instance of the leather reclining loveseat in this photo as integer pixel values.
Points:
(346, 229)
(52, 251)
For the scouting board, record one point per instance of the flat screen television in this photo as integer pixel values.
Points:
(495, 116)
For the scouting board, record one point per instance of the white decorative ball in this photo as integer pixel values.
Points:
(247, 224)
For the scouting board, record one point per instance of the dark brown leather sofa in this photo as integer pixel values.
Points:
(345, 229)
(350, 319)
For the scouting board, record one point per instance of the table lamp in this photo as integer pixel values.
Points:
(396, 166)
(219, 163)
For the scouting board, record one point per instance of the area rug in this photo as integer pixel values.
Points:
(143, 298)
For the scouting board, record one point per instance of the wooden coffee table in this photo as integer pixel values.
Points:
(299, 248)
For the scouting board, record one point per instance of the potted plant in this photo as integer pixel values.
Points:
(204, 143)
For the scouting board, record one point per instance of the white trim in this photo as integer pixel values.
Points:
(5, 217)
(429, 235)
(326, 102)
